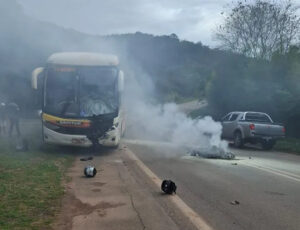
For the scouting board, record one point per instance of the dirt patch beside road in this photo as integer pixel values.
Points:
(73, 207)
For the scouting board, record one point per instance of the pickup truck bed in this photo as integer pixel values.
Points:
(265, 129)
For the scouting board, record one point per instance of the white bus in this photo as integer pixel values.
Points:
(82, 99)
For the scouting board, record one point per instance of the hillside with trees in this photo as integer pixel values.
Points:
(179, 69)
(230, 79)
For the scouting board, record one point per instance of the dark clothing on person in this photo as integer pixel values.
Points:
(2, 118)
(13, 113)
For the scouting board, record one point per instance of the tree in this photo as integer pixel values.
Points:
(258, 28)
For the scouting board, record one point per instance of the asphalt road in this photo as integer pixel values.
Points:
(266, 185)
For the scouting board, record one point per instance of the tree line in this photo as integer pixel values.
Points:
(266, 74)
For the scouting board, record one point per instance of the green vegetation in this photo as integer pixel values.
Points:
(248, 27)
(266, 75)
(30, 186)
(291, 145)
(255, 85)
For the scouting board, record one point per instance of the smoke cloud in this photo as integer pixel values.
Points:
(149, 120)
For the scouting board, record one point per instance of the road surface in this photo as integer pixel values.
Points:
(266, 185)
(119, 197)
(125, 194)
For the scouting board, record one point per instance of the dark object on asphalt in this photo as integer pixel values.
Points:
(86, 158)
(22, 145)
(234, 163)
(235, 202)
(168, 186)
(212, 153)
(250, 157)
(90, 171)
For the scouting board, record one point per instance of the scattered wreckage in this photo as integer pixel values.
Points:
(211, 153)
(90, 171)
(168, 187)
(86, 158)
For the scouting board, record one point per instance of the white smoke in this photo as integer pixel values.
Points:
(165, 122)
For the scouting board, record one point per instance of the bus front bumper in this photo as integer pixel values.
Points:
(111, 139)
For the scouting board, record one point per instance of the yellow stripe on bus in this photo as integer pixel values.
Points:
(66, 122)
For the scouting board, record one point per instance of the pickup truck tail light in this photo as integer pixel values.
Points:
(252, 126)
(283, 129)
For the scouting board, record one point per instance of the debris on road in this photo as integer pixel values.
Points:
(168, 186)
(212, 153)
(234, 164)
(86, 158)
(235, 202)
(90, 171)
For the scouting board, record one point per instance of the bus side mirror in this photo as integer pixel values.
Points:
(121, 81)
(34, 77)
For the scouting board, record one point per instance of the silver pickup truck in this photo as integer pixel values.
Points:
(251, 127)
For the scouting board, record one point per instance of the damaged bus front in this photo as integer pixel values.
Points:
(82, 99)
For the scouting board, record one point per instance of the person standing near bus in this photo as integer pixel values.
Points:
(2, 118)
(13, 113)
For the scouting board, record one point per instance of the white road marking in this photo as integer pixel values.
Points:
(271, 170)
(277, 172)
(196, 220)
(149, 143)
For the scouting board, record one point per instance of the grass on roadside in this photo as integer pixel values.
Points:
(291, 145)
(30, 185)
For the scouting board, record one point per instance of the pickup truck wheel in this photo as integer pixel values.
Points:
(238, 140)
(268, 145)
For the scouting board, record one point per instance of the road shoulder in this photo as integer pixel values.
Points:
(120, 196)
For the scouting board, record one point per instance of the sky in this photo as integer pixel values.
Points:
(193, 20)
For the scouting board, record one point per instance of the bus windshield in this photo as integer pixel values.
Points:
(81, 92)
(98, 91)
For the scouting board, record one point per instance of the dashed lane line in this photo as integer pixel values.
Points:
(277, 172)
